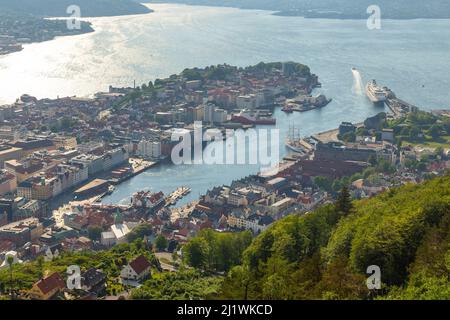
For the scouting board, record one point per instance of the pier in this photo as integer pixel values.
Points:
(177, 195)
(399, 107)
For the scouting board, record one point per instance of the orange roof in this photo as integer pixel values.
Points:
(50, 283)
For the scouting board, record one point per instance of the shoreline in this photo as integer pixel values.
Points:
(296, 13)
(19, 46)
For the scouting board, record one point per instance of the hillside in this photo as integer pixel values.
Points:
(341, 9)
(325, 254)
(320, 255)
(57, 8)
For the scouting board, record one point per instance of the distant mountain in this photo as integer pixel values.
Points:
(57, 8)
(343, 9)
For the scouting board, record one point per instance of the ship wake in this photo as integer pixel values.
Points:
(357, 82)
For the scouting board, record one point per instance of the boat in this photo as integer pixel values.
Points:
(247, 117)
(375, 93)
(293, 141)
(111, 189)
(287, 109)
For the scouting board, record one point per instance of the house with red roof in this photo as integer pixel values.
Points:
(48, 287)
(136, 271)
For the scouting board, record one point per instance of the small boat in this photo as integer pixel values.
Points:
(111, 189)
(287, 109)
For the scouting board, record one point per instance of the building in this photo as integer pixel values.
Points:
(48, 287)
(149, 149)
(208, 113)
(67, 143)
(29, 209)
(147, 200)
(346, 152)
(253, 222)
(247, 102)
(346, 127)
(53, 182)
(118, 231)
(108, 239)
(8, 182)
(9, 153)
(387, 135)
(281, 205)
(137, 270)
(276, 184)
(220, 116)
(94, 163)
(237, 199)
(94, 281)
(26, 168)
(114, 158)
(31, 145)
(23, 231)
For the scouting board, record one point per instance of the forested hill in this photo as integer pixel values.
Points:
(57, 8)
(325, 254)
(344, 9)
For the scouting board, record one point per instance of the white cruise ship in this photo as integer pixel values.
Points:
(374, 92)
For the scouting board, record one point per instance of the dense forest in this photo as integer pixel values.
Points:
(344, 9)
(325, 254)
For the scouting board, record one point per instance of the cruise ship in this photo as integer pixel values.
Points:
(375, 93)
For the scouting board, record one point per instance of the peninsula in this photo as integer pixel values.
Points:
(24, 21)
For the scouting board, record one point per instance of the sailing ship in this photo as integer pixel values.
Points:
(293, 141)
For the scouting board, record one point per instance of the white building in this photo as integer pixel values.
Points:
(149, 149)
(136, 271)
(250, 101)
(208, 113)
(220, 116)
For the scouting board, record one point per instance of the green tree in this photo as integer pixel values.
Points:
(344, 201)
(323, 183)
(141, 231)
(10, 262)
(195, 253)
(161, 243)
(435, 131)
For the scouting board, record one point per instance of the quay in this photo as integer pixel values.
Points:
(183, 212)
(399, 107)
(177, 195)
(137, 166)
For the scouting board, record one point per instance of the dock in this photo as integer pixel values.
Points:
(177, 195)
(399, 107)
(137, 166)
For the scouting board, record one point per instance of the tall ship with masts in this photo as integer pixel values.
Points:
(293, 141)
